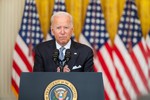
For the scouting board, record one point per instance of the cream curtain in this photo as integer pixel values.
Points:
(112, 10)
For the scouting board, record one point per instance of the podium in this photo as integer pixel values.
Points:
(61, 86)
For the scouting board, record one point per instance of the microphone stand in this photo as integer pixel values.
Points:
(62, 63)
(61, 66)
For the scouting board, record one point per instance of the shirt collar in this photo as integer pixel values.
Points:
(67, 46)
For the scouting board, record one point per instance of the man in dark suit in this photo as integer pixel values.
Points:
(81, 55)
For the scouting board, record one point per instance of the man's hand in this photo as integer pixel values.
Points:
(58, 69)
(65, 69)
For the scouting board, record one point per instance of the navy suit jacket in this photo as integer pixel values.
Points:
(81, 57)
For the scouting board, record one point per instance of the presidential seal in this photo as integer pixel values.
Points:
(60, 90)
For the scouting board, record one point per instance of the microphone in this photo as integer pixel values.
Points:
(57, 60)
(55, 56)
(67, 56)
(60, 63)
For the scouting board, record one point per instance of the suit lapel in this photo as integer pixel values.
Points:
(52, 47)
(74, 55)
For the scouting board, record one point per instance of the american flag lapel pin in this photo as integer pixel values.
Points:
(75, 53)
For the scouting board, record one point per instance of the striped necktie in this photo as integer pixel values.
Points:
(61, 55)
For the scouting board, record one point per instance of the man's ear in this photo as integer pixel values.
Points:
(72, 29)
(52, 30)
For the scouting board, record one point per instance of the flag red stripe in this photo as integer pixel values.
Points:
(16, 68)
(15, 85)
(105, 69)
(127, 70)
(143, 52)
(141, 74)
(95, 69)
(23, 57)
(109, 48)
(146, 56)
(148, 51)
(125, 92)
(106, 95)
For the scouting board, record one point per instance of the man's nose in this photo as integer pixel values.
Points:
(62, 30)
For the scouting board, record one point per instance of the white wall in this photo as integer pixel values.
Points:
(10, 19)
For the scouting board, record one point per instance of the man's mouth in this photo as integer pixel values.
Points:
(62, 38)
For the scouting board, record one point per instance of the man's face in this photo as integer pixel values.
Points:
(62, 29)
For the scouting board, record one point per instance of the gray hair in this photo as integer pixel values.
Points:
(61, 13)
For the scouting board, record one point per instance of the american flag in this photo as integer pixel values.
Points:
(29, 35)
(59, 5)
(148, 42)
(129, 55)
(94, 34)
(148, 51)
